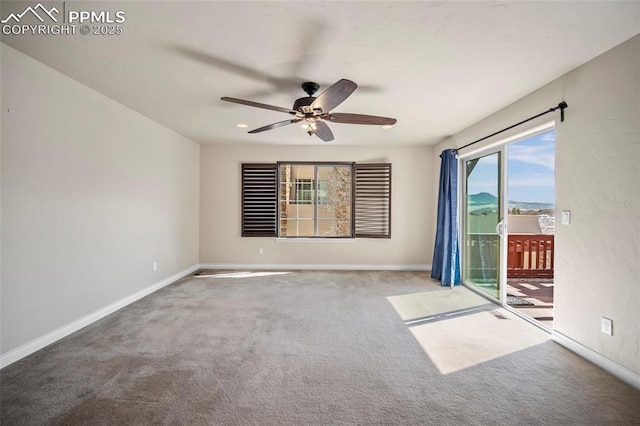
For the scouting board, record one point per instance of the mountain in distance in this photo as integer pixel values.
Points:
(482, 198)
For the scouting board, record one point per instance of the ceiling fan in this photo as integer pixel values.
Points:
(314, 111)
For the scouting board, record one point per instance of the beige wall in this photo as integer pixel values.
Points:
(597, 265)
(92, 194)
(412, 224)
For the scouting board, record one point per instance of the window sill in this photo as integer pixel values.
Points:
(314, 240)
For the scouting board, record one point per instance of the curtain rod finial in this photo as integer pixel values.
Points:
(562, 105)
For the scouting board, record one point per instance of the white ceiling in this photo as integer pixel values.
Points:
(436, 66)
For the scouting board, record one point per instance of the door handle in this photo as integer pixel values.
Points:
(500, 228)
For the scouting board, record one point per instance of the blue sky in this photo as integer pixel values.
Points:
(531, 171)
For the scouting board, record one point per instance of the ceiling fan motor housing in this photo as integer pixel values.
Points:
(303, 102)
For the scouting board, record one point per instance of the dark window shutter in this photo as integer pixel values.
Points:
(373, 200)
(259, 200)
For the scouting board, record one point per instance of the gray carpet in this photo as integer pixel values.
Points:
(308, 348)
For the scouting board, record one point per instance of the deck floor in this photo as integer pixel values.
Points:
(538, 291)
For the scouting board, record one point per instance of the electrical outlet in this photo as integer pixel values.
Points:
(606, 326)
(154, 266)
(260, 251)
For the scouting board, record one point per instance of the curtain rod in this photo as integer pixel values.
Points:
(561, 106)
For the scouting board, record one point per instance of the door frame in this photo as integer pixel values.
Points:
(500, 145)
(502, 269)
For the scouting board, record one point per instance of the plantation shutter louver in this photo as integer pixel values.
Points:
(373, 200)
(259, 200)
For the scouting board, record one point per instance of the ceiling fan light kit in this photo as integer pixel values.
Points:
(314, 111)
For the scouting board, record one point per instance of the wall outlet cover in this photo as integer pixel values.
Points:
(606, 326)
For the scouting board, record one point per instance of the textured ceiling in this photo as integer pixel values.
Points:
(437, 67)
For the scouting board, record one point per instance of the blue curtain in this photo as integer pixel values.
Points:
(446, 253)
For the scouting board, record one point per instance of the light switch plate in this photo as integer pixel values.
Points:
(566, 217)
(606, 326)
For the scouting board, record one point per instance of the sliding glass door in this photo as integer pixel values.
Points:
(483, 225)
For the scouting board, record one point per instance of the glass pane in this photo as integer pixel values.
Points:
(482, 215)
(297, 228)
(297, 209)
(334, 200)
(303, 211)
(326, 212)
(343, 228)
(334, 185)
(284, 206)
(339, 211)
(315, 200)
(343, 211)
(334, 228)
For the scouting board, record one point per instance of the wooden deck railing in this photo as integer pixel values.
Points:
(530, 256)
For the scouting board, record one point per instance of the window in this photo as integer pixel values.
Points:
(315, 200)
(324, 200)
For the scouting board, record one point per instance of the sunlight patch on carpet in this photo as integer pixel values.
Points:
(465, 341)
(429, 303)
(247, 274)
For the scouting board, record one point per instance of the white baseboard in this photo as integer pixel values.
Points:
(49, 338)
(601, 361)
(314, 266)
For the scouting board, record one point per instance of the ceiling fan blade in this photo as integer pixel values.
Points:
(276, 84)
(323, 131)
(276, 125)
(259, 105)
(334, 95)
(209, 59)
(358, 119)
